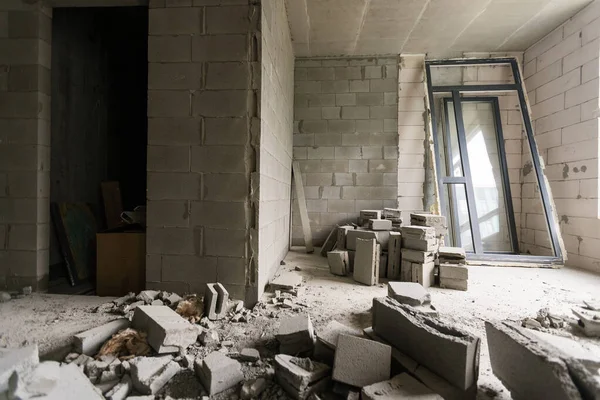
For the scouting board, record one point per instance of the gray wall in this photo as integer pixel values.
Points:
(275, 157)
(201, 106)
(345, 139)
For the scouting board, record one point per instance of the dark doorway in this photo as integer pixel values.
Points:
(99, 115)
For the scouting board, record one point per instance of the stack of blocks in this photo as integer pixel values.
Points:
(381, 226)
(419, 246)
(453, 271)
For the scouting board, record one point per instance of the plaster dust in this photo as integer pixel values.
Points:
(494, 294)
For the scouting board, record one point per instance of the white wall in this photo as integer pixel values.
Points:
(276, 125)
(561, 74)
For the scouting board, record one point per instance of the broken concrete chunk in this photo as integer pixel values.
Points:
(73, 385)
(286, 281)
(330, 334)
(380, 224)
(249, 354)
(208, 338)
(300, 377)
(338, 262)
(125, 299)
(388, 213)
(22, 361)
(448, 351)
(4, 297)
(222, 299)
(210, 301)
(167, 331)
(361, 362)
(413, 294)
(40, 382)
(528, 370)
(253, 388)
(89, 342)
(366, 261)
(121, 390)
(435, 221)
(296, 335)
(452, 253)
(217, 372)
(401, 386)
(147, 296)
(150, 374)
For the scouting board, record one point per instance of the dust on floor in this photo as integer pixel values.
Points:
(494, 294)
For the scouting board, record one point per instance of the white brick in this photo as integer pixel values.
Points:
(573, 152)
(588, 188)
(591, 31)
(544, 76)
(372, 152)
(331, 192)
(411, 75)
(582, 93)
(360, 86)
(590, 70)
(549, 139)
(174, 21)
(559, 85)
(320, 153)
(544, 44)
(343, 179)
(529, 69)
(334, 87)
(320, 74)
(567, 46)
(348, 153)
(582, 18)
(581, 56)
(410, 118)
(578, 207)
(355, 112)
(579, 132)
(358, 166)
(342, 73)
(590, 110)
(547, 107)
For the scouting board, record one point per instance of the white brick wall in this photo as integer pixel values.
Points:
(275, 158)
(561, 73)
(346, 138)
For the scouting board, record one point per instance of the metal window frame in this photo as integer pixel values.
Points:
(518, 87)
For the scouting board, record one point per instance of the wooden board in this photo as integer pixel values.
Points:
(76, 230)
(113, 203)
(329, 242)
(302, 206)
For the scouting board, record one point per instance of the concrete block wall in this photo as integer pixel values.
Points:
(202, 135)
(561, 72)
(346, 139)
(25, 61)
(276, 125)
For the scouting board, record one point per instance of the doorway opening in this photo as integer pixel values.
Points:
(99, 131)
(490, 179)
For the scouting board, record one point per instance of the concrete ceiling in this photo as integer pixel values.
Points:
(437, 27)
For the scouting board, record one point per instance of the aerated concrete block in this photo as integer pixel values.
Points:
(167, 331)
(448, 351)
(413, 294)
(416, 256)
(361, 362)
(341, 236)
(453, 271)
(300, 377)
(401, 386)
(366, 262)
(428, 245)
(528, 370)
(380, 224)
(394, 256)
(150, 374)
(330, 334)
(215, 301)
(383, 260)
(338, 262)
(417, 232)
(424, 273)
(217, 372)
(388, 213)
(453, 255)
(382, 237)
(90, 342)
(406, 271)
(296, 335)
(455, 284)
(438, 222)
(366, 215)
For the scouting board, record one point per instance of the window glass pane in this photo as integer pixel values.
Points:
(458, 212)
(485, 74)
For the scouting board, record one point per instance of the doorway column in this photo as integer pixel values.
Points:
(25, 39)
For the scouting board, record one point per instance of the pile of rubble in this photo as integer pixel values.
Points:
(8, 296)
(379, 247)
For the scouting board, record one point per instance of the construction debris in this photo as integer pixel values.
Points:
(300, 377)
(366, 262)
(401, 386)
(589, 321)
(251, 355)
(150, 374)
(338, 262)
(89, 342)
(167, 331)
(253, 388)
(330, 334)
(380, 224)
(126, 344)
(411, 293)
(296, 335)
(217, 372)
(191, 308)
(451, 353)
(361, 362)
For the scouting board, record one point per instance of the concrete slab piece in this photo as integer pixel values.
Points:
(341, 236)
(286, 281)
(391, 213)
(167, 331)
(411, 293)
(366, 215)
(451, 353)
(217, 372)
(90, 342)
(452, 253)
(394, 256)
(360, 362)
(222, 299)
(435, 221)
(528, 370)
(144, 370)
(210, 301)
(73, 385)
(330, 334)
(299, 377)
(338, 262)
(22, 361)
(249, 354)
(401, 386)
(366, 262)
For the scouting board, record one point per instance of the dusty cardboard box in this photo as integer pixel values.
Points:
(121, 263)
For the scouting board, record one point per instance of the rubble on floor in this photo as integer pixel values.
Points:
(589, 320)
(296, 335)
(402, 386)
(300, 377)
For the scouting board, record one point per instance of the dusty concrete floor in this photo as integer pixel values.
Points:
(494, 294)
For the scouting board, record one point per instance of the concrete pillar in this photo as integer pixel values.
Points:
(25, 37)
(202, 128)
